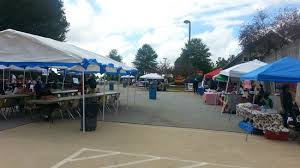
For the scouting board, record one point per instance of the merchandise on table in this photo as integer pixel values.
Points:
(269, 120)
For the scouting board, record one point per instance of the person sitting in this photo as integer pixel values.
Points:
(266, 101)
(241, 90)
(18, 89)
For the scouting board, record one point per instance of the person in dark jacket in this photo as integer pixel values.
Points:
(287, 105)
(195, 85)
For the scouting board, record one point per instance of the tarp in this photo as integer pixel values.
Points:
(213, 73)
(152, 76)
(243, 68)
(286, 69)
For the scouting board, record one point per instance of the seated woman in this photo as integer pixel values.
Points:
(45, 93)
(18, 89)
(266, 101)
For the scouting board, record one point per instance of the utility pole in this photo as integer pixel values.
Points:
(165, 66)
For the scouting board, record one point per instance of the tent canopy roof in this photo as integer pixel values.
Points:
(243, 68)
(152, 76)
(286, 69)
(213, 73)
(24, 49)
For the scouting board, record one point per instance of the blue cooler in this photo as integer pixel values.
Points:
(152, 91)
(200, 90)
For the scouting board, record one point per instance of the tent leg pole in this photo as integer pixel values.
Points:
(227, 84)
(9, 76)
(24, 79)
(83, 104)
(104, 98)
(135, 90)
(47, 75)
(127, 92)
(3, 81)
(64, 78)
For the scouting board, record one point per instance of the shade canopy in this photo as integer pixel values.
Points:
(152, 76)
(127, 77)
(24, 49)
(286, 69)
(220, 78)
(213, 73)
(243, 68)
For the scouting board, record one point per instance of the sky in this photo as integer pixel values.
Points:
(125, 25)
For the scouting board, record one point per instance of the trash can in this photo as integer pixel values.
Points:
(124, 84)
(91, 112)
(152, 91)
(111, 86)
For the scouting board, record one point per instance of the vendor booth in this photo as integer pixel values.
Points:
(32, 52)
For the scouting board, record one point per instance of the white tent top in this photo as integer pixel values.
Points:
(19, 47)
(128, 77)
(243, 68)
(152, 76)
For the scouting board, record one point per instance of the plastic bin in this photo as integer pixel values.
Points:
(152, 91)
(282, 136)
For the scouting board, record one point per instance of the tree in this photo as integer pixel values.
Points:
(195, 56)
(164, 67)
(145, 59)
(222, 62)
(267, 32)
(113, 54)
(40, 17)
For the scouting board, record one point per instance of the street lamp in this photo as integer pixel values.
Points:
(188, 22)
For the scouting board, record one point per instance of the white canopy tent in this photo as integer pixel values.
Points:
(127, 77)
(153, 76)
(238, 70)
(23, 49)
(243, 68)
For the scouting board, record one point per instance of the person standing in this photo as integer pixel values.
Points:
(195, 85)
(287, 105)
(92, 83)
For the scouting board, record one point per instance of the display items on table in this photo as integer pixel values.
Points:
(264, 119)
(211, 98)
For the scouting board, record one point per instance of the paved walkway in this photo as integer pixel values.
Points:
(112, 145)
(176, 109)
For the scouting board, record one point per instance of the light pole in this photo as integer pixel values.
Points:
(188, 22)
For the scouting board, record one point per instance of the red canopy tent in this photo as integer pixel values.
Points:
(213, 73)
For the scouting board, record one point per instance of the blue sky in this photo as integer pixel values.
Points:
(125, 25)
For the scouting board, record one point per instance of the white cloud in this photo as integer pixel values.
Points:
(126, 25)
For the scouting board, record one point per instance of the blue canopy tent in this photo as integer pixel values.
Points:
(286, 69)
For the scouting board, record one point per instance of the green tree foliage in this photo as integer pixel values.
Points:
(113, 54)
(40, 17)
(194, 56)
(221, 62)
(145, 59)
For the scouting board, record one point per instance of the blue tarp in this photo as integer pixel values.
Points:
(286, 69)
